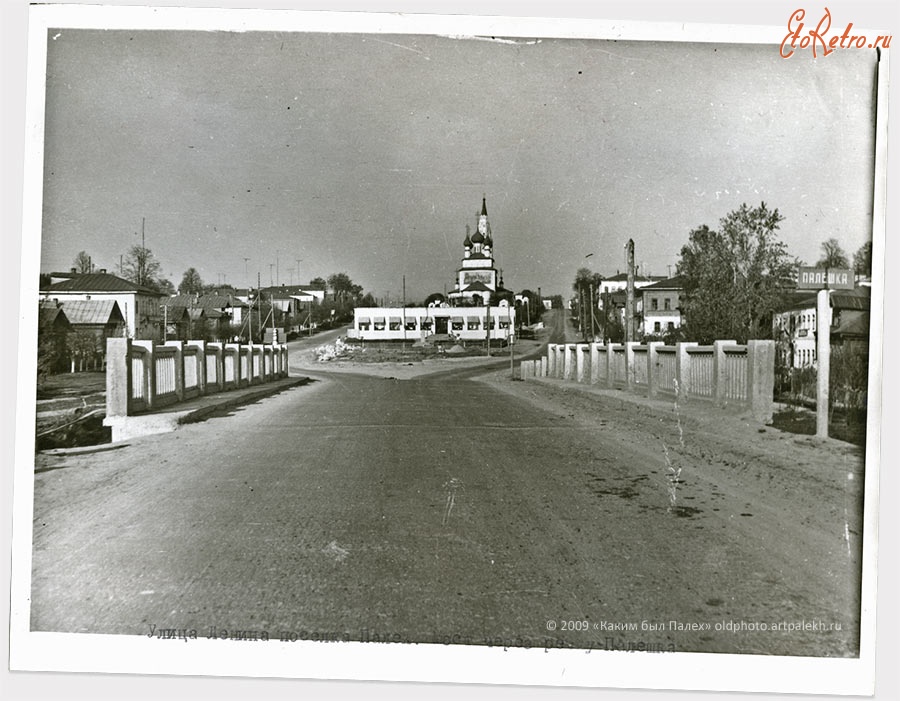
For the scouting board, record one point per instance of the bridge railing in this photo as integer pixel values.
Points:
(724, 373)
(142, 376)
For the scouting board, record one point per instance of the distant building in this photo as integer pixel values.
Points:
(661, 306)
(795, 326)
(53, 328)
(478, 282)
(619, 282)
(140, 306)
(479, 306)
(441, 323)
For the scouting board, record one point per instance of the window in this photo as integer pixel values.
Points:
(472, 324)
(654, 303)
(656, 326)
(410, 324)
(667, 304)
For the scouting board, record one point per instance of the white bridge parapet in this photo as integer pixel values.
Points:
(142, 376)
(725, 373)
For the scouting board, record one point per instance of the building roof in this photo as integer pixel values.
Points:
(51, 314)
(93, 312)
(477, 286)
(210, 303)
(218, 301)
(858, 299)
(856, 327)
(623, 277)
(100, 282)
(672, 283)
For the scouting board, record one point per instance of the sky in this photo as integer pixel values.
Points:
(282, 156)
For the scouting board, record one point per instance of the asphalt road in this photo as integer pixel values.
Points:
(436, 509)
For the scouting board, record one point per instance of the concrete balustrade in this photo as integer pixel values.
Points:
(142, 376)
(725, 373)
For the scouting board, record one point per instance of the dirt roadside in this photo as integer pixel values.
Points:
(797, 499)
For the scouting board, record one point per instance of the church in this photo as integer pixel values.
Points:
(478, 308)
(477, 281)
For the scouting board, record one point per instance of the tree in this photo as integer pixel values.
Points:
(734, 277)
(141, 267)
(82, 263)
(833, 255)
(862, 260)
(163, 285)
(436, 297)
(318, 283)
(585, 285)
(191, 284)
(533, 308)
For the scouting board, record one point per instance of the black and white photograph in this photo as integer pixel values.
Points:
(452, 348)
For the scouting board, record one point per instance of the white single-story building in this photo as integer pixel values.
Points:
(418, 323)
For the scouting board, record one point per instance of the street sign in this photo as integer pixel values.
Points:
(824, 278)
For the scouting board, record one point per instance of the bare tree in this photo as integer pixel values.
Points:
(141, 267)
(82, 263)
(862, 260)
(833, 255)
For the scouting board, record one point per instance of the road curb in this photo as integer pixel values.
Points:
(172, 417)
(230, 402)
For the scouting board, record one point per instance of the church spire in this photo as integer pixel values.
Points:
(484, 205)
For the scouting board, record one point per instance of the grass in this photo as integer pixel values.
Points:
(850, 428)
(62, 400)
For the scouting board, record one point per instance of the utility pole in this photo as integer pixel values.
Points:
(487, 308)
(509, 342)
(583, 313)
(629, 291)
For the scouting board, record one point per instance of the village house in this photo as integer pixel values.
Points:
(139, 306)
(660, 307)
(795, 325)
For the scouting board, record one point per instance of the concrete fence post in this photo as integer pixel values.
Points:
(653, 367)
(179, 367)
(543, 366)
(579, 361)
(720, 371)
(595, 363)
(629, 364)
(683, 368)
(610, 363)
(551, 359)
(568, 353)
(118, 376)
(761, 379)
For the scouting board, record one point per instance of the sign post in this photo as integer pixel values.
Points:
(823, 280)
